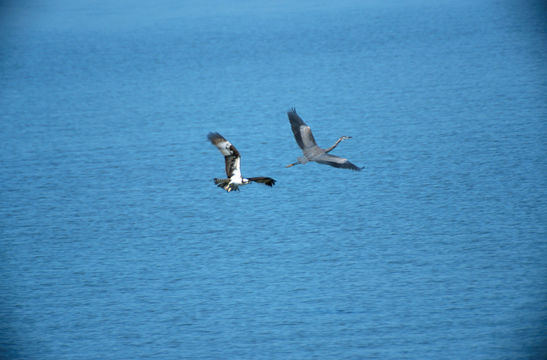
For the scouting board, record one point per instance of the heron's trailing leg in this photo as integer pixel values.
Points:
(301, 160)
(337, 142)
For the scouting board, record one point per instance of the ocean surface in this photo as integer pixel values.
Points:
(116, 244)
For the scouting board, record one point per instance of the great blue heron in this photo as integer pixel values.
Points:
(312, 152)
(233, 160)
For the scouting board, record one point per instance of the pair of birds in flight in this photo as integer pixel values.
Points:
(304, 139)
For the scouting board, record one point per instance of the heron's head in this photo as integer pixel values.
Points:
(345, 137)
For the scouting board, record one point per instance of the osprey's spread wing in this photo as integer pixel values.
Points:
(336, 161)
(265, 180)
(302, 132)
(231, 155)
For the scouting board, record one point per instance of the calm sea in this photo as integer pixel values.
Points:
(115, 243)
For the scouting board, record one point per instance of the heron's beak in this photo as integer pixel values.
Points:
(288, 166)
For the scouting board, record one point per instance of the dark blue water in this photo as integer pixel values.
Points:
(115, 243)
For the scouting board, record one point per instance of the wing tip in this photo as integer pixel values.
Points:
(268, 181)
(213, 136)
(353, 167)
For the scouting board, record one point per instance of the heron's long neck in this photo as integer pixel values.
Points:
(335, 144)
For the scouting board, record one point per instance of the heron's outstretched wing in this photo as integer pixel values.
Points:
(264, 180)
(336, 161)
(302, 132)
(231, 155)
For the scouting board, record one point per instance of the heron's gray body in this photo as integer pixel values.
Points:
(302, 160)
(304, 138)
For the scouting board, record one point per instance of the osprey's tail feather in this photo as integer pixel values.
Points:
(225, 184)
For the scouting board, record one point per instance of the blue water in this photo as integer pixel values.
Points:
(116, 244)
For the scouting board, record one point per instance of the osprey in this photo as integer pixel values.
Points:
(233, 160)
(312, 152)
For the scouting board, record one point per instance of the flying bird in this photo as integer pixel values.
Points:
(233, 171)
(312, 152)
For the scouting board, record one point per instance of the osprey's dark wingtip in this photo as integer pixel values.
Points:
(264, 180)
(213, 135)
